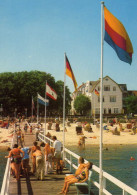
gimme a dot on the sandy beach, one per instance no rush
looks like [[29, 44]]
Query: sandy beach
[[5, 137], [71, 138]]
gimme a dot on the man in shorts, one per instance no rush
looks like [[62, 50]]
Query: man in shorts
[[57, 145]]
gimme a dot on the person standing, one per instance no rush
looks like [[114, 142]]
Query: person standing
[[48, 158], [33, 149], [16, 154], [57, 145], [39, 164], [25, 160]]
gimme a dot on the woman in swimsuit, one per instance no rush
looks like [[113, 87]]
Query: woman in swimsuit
[[82, 177], [79, 170], [16, 154]]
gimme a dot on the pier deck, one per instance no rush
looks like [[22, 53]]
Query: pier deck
[[51, 184]]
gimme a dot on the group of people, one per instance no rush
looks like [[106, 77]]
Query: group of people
[[44, 158]]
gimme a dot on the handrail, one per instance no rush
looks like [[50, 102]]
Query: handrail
[[125, 188], [6, 178]]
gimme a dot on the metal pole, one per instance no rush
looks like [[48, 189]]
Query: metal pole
[[101, 104], [32, 109], [94, 109], [37, 110], [45, 108], [64, 107]]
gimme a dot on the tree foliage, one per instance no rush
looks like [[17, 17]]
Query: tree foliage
[[17, 89], [131, 104], [82, 104]]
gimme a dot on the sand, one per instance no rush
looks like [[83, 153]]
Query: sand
[[5, 137], [71, 138]]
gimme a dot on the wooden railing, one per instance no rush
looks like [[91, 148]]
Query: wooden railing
[[6, 177], [69, 155]]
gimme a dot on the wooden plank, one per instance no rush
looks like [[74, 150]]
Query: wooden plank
[[51, 184]]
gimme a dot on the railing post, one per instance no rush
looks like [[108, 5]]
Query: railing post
[[104, 183], [70, 163], [124, 192]]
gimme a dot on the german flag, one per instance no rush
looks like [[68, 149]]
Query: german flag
[[69, 72], [96, 92]]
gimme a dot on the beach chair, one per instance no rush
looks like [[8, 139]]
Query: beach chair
[[85, 184], [79, 130]]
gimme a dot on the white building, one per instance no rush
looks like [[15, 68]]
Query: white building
[[112, 96]]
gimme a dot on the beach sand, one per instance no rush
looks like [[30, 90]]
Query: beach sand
[[71, 138], [5, 137]]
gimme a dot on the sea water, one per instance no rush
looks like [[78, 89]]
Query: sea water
[[3, 161], [116, 161]]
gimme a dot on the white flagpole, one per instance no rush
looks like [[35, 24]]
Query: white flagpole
[[32, 109], [94, 109], [45, 108], [101, 102], [64, 107], [37, 110]]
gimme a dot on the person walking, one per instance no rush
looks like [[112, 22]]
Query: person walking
[[16, 154], [39, 164], [25, 160], [48, 158], [33, 149], [57, 145]]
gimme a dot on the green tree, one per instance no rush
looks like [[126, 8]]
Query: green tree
[[131, 104], [82, 104], [17, 89]]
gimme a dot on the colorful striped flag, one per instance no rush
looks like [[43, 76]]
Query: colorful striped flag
[[42, 100], [96, 92], [51, 92], [117, 37], [69, 72]]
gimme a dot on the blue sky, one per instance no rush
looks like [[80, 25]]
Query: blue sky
[[34, 34]]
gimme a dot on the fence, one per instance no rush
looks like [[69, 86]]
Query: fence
[[69, 155], [6, 178]]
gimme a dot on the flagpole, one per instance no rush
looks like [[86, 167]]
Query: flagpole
[[64, 106], [32, 109], [101, 103], [94, 108], [37, 110], [45, 109]]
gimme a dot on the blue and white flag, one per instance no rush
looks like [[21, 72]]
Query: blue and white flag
[[42, 100]]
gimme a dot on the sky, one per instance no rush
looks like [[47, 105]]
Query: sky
[[35, 34]]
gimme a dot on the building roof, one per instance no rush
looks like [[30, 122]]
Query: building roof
[[93, 88], [134, 92]]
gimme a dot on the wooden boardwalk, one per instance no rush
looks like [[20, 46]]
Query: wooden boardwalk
[[51, 184]]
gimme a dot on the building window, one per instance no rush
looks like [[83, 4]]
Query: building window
[[112, 98], [97, 111], [109, 110], [105, 111], [116, 110], [114, 88], [107, 88]]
